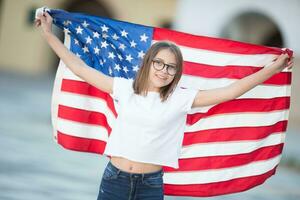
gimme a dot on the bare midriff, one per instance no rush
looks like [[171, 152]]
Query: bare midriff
[[133, 166]]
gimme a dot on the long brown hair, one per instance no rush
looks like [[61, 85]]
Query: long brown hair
[[140, 84]]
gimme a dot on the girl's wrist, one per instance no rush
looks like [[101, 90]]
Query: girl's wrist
[[47, 34]]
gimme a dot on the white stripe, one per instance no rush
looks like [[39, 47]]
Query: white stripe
[[56, 90], [218, 58], [68, 74], [87, 103], [82, 130], [230, 148], [239, 120], [213, 176], [257, 92]]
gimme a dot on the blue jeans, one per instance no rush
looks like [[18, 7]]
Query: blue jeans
[[119, 185]]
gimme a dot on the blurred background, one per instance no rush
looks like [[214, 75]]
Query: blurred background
[[33, 166]]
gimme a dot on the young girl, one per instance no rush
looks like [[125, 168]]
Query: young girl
[[152, 112]]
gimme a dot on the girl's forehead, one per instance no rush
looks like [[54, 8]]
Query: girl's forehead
[[166, 55]]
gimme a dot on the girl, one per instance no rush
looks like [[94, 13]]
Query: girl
[[152, 114]]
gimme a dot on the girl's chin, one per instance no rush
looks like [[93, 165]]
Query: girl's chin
[[160, 84]]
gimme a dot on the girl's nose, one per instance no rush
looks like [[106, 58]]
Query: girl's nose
[[165, 70]]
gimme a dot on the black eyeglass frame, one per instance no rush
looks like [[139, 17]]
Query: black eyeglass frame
[[159, 68]]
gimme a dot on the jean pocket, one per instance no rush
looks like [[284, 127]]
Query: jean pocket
[[109, 174], [154, 182]]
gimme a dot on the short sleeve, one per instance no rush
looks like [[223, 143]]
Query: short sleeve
[[185, 97], [122, 88]]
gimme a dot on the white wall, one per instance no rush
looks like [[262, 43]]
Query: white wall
[[208, 17]]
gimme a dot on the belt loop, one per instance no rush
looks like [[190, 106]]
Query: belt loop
[[143, 178], [118, 172]]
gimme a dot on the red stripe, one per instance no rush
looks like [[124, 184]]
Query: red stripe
[[83, 116], [232, 134], [218, 188], [84, 88], [226, 161], [212, 44], [232, 72], [242, 106], [80, 144]]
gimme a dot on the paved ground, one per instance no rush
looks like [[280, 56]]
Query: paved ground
[[34, 167]]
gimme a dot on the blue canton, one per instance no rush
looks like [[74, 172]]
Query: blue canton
[[113, 47]]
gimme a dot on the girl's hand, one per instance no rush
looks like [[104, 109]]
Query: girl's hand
[[45, 21], [282, 62]]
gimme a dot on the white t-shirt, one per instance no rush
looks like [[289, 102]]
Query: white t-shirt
[[146, 129]]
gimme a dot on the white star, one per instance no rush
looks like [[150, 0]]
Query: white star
[[85, 49], [144, 37], [135, 68], [141, 54], [66, 30], [104, 44], [101, 62], [110, 71], [129, 58], [79, 30], [104, 35], [66, 23], [111, 55], [115, 37], [85, 24], [76, 41], [122, 46], [125, 69], [124, 33], [78, 55], [88, 40], [132, 44], [96, 50], [117, 67], [112, 46], [104, 28], [120, 57], [95, 34]]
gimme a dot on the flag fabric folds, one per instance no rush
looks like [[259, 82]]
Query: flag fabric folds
[[229, 147]]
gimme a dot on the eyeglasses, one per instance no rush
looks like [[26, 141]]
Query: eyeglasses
[[160, 65]]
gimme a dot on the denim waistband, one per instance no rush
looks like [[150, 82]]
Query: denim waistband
[[113, 168]]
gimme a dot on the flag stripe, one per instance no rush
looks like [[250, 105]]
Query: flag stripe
[[87, 103], [83, 116], [216, 175], [209, 43], [233, 134], [217, 188], [257, 92], [80, 144], [232, 72], [230, 147], [218, 162], [245, 105], [87, 89], [81, 129], [238, 120]]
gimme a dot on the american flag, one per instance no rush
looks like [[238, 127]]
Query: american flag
[[229, 147]]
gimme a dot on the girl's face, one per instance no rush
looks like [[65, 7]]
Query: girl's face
[[159, 75]]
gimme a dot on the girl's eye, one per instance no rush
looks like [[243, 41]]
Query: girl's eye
[[159, 62]]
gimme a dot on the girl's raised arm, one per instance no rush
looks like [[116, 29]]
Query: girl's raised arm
[[74, 63], [236, 89]]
